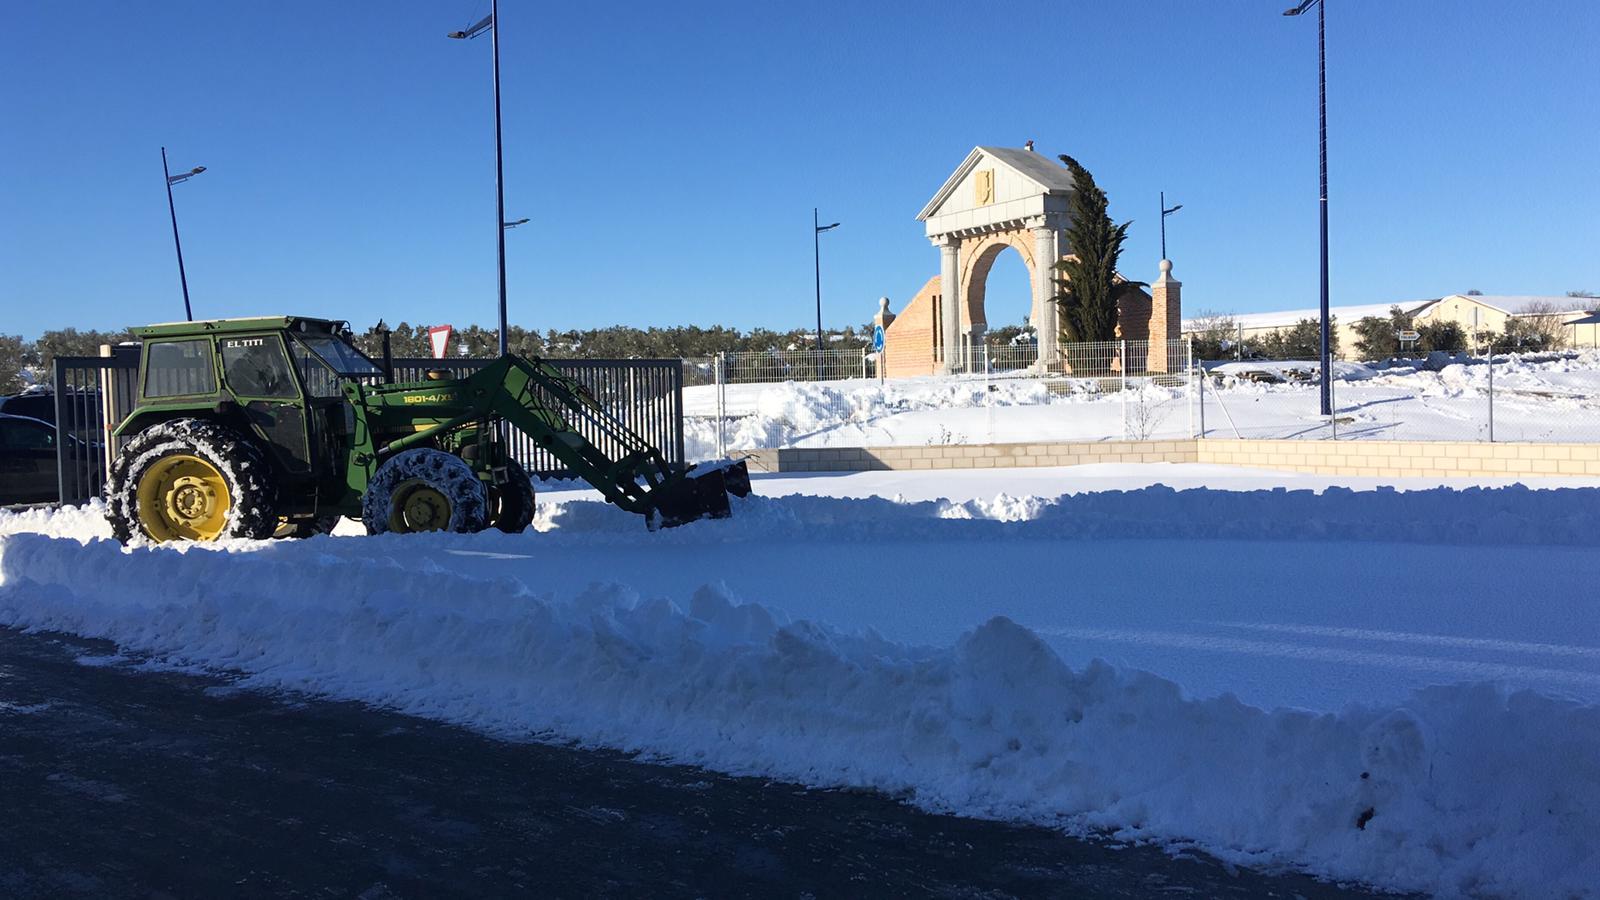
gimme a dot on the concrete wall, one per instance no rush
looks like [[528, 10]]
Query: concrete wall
[[1360, 458], [971, 456], [1406, 458]]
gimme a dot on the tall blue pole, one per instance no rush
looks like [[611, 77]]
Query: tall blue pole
[[499, 175], [816, 263], [1322, 158], [188, 313], [1163, 224]]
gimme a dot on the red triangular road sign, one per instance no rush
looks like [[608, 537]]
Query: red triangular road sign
[[439, 337]]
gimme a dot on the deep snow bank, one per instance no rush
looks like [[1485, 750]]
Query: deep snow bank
[[1514, 514], [1460, 789]]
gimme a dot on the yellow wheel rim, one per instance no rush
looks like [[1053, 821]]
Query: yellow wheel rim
[[418, 506], [183, 497]]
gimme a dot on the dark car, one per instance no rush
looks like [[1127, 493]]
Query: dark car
[[28, 460], [39, 405]]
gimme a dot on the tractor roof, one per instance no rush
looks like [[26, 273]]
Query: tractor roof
[[228, 326]]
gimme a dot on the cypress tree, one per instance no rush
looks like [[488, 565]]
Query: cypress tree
[[1087, 290]]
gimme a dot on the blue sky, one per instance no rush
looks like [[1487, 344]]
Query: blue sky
[[669, 155]]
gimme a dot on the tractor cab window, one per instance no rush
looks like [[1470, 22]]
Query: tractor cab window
[[345, 359], [179, 369], [322, 359], [320, 381], [255, 367]]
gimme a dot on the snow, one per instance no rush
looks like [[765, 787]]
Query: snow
[[1550, 397], [1247, 671]]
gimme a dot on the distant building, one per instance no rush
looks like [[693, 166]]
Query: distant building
[[1492, 314]]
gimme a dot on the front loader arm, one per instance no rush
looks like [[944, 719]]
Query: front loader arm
[[541, 402]]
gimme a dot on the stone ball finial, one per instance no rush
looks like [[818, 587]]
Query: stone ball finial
[[883, 304], [1166, 267]]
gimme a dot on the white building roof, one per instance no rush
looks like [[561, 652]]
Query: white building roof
[[1522, 304], [1344, 314], [1514, 305]]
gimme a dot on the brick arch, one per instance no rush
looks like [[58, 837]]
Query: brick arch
[[978, 255]]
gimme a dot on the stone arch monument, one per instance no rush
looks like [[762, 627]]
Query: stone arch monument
[[998, 198]]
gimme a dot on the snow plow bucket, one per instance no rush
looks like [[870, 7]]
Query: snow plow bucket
[[700, 495]]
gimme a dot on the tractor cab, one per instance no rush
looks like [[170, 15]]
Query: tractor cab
[[278, 379]]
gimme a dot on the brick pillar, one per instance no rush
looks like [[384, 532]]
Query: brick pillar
[[1166, 316]]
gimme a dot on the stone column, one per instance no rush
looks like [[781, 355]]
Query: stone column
[[1166, 316], [884, 316], [949, 303], [1045, 254]]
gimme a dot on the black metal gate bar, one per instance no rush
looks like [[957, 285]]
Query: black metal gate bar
[[93, 394]]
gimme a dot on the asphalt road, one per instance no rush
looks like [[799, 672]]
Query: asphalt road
[[123, 783]]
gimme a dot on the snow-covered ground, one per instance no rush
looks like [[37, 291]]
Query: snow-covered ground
[[1536, 398], [1401, 687]]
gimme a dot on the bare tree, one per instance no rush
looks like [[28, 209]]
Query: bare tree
[[1542, 324], [1214, 334]]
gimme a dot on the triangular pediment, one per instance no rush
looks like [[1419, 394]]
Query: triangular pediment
[[998, 175]]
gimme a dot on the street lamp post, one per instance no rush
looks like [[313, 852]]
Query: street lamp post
[[1326, 364], [816, 249], [183, 279], [491, 23], [1164, 213]]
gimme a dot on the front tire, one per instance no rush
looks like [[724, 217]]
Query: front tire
[[423, 489], [192, 480], [513, 501]]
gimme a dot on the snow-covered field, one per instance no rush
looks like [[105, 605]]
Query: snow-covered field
[[1536, 398], [1397, 687]]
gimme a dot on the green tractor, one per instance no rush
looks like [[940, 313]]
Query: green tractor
[[262, 427]]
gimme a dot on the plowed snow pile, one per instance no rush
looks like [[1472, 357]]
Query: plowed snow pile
[[1463, 788]]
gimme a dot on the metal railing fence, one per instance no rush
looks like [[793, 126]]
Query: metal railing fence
[[94, 394]]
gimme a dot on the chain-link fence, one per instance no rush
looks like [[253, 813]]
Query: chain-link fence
[[1536, 397], [1131, 390], [1112, 390]]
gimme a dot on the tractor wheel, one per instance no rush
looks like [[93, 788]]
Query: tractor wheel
[[513, 501], [422, 489], [304, 528], [191, 480]]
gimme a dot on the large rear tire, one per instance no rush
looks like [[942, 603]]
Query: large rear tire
[[513, 501], [193, 480], [423, 489]]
